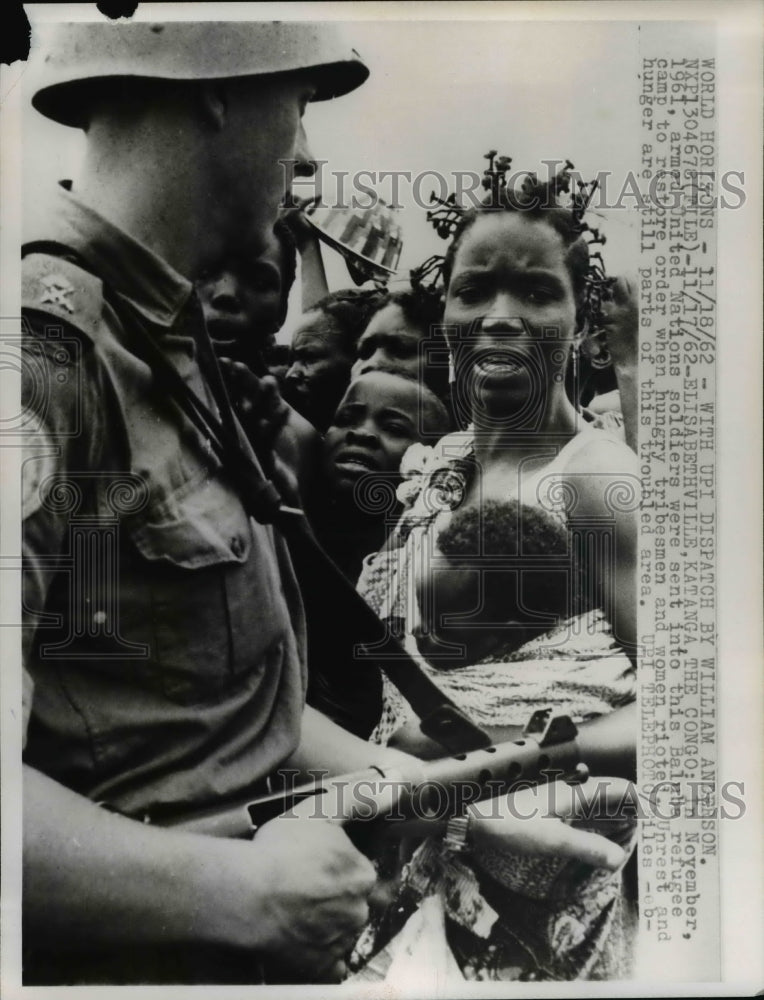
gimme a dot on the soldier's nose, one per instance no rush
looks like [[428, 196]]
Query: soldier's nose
[[305, 165]]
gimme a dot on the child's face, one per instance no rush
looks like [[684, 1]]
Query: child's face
[[389, 343], [242, 303], [319, 372], [376, 421]]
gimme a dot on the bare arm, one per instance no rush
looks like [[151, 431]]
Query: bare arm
[[90, 875], [606, 485], [327, 746], [621, 320], [296, 895], [312, 272], [607, 744], [524, 822]]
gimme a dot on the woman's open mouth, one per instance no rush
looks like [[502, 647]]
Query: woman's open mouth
[[355, 461], [499, 365]]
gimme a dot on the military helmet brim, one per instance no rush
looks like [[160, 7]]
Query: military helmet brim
[[79, 57]]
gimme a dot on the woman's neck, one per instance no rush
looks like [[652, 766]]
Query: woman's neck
[[508, 445]]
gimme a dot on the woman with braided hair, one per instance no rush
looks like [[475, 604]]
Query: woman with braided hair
[[522, 291]]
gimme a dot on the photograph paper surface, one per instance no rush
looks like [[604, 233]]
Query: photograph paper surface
[[500, 359]]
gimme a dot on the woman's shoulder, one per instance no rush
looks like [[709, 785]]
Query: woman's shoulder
[[599, 451], [602, 473]]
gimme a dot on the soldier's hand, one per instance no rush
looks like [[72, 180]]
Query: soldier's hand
[[315, 890]]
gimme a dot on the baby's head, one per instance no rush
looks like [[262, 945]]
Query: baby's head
[[501, 574]]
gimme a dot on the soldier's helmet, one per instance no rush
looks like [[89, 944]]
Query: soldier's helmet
[[75, 58]]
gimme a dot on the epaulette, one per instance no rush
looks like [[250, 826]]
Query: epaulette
[[60, 288]]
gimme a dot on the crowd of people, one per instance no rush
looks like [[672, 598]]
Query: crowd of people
[[477, 487]]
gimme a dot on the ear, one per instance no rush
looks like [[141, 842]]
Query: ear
[[593, 346], [213, 103]]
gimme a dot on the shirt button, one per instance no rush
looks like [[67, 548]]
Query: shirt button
[[237, 545]]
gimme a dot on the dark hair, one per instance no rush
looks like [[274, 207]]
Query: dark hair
[[540, 201], [510, 529], [419, 308], [443, 414], [350, 309]]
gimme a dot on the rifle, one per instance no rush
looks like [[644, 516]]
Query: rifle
[[432, 790]]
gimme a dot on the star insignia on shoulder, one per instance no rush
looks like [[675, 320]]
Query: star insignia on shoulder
[[58, 290]]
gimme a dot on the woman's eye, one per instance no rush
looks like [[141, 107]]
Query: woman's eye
[[540, 295], [469, 293], [397, 430]]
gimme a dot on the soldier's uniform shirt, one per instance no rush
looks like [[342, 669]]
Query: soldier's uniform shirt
[[177, 681]]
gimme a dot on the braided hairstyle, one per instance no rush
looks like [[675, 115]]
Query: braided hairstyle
[[540, 201]]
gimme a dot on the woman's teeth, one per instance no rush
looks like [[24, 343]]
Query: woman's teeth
[[498, 364], [355, 462]]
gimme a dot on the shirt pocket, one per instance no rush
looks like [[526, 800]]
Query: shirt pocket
[[189, 591]]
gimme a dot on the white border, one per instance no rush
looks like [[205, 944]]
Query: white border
[[738, 456]]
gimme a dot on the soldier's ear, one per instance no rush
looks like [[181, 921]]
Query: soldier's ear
[[213, 102]]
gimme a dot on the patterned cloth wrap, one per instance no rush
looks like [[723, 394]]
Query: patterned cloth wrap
[[507, 916]]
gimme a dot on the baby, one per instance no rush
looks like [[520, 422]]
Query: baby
[[501, 616], [500, 574]]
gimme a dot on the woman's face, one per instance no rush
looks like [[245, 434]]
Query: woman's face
[[379, 417], [319, 372], [511, 299]]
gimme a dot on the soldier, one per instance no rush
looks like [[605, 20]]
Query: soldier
[[174, 677], [164, 648]]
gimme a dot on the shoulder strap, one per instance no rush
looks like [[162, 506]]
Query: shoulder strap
[[335, 600]]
